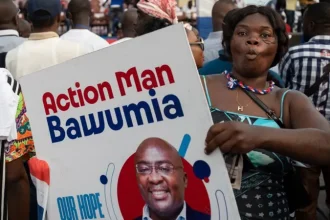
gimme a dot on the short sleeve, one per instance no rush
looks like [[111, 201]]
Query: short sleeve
[[23, 146], [286, 71]]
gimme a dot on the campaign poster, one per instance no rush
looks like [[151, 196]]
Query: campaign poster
[[123, 132]]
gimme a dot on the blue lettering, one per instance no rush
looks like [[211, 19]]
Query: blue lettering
[[176, 106], [82, 207], [132, 114], [89, 211], [93, 129], [55, 127], [155, 104], [99, 205], [61, 208], [136, 108], [67, 208], [111, 124], [73, 132]]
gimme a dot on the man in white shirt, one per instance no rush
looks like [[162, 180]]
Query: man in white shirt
[[44, 48], [79, 11], [9, 37], [213, 44]]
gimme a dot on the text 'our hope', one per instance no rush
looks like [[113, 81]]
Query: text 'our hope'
[[87, 206]]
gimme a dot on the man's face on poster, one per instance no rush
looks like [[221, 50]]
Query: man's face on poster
[[160, 177]]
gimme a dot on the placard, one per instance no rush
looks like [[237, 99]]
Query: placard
[[123, 132]]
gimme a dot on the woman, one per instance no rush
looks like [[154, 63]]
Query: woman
[[154, 15], [255, 40], [196, 45]]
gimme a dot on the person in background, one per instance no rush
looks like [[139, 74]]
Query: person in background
[[154, 15], [189, 11], [213, 42], [9, 36], [22, 9], [302, 67], [44, 48], [64, 17], [196, 44], [223, 64], [255, 39], [128, 23], [80, 11], [24, 28], [17, 152], [291, 6], [115, 13]]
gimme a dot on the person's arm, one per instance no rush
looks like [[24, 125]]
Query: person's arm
[[309, 138], [18, 190], [286, 70], [17, 183]]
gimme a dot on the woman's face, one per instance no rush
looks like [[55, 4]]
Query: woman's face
[[253, 46], [196, 47]]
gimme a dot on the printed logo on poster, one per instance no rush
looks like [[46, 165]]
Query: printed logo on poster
[[124, 133]]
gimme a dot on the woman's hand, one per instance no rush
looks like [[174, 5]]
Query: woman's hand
[[233, 137]]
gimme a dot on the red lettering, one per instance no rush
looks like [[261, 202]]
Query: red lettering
[[127, 77], [149, 81], [107, 86], [168, 71], [72, 95], [80, 96], [87, 91], [49, 106], [59, 99]]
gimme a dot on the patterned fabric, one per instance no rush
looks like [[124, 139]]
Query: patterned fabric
[[262, 194], [23, 146], [163, 9], [303, 65], [233, 83]]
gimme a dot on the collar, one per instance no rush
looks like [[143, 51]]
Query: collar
[[215, 35], [182, 215], [9, 32], [43, 35], [320, 39], [81, 26]]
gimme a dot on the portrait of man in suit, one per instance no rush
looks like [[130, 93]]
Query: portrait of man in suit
[[162, 182]]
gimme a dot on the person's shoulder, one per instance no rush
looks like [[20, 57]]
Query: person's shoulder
[[69, 48], [298, 49], [97, 40], [215, 66], [196, 215]]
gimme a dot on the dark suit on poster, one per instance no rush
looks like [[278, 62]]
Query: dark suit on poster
[[191, 214]]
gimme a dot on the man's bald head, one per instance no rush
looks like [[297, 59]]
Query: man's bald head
[[156, 145], [8, 15], [24, 28], [79, 10], [128, 22], [219, 11], [160, 177]]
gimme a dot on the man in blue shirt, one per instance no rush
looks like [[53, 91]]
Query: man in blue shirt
[[115, 14]]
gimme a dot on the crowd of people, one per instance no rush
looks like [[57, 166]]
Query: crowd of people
[[272, 99]]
